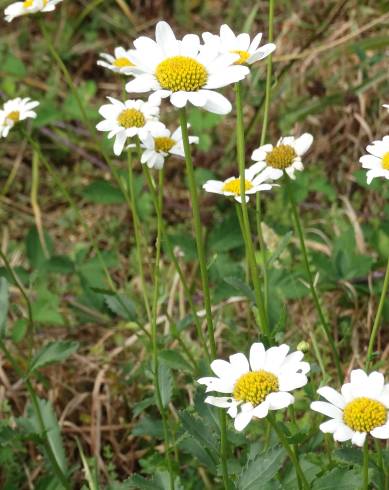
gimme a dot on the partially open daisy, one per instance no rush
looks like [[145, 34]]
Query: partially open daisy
[[29, 7], [254, 181], [127, 119], [249, 51], [14, 111], [118, 63], [360, 408], [183, 70], [257, 385], [377, 162], [284, 157], [160, 143]]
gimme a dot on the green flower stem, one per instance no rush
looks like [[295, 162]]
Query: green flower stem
[[292, 455], [269, 73], [176, 264], [204, 279], [377, 320], [263, 327], [137, 232], [365, 471], [311, 282], [198, 230], [154, 333], [34, 202], [37, 409]]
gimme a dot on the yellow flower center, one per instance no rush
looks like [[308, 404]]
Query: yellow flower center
[[122, 62], [181, 73], [14, 116], [29, 3], [281, 156], [364, 414], [244, 56], [131, 118], [385, 161], [234, 186], [164, 143], [255, 386]]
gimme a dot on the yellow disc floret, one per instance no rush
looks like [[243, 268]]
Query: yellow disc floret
[[131, 118], [28, 3], [163, 143], [181, 73], [364, 414], [244, 56], [281, 156], [255, 386], [233, 186], [122, 62], [385, 161], [14, 116]]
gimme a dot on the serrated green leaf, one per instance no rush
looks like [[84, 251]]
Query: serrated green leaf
[[4, 304], [339, 478], [174, 360], [241, 287], [56, 351], [121, 306], [261, 470]]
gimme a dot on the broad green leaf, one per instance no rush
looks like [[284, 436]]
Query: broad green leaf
[[241, 287], [196, 449], [56, 351], [174, 360], [148, 427], [261, 470], [19, 329], [34, 250], [121, 306], [45, 308], [165, 383], [103, 192], [339, 479], [196, 428], [4, 304]]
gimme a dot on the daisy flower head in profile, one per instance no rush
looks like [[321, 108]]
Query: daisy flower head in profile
[[254, 181], [159, 143], [284, 157], [29, 7], [184, 70], [119, 62], [124, 120], [377, 161], [248, 50], [258, 384], [360, 408], [14, 111]]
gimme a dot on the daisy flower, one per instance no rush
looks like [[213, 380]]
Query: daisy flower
[[29, 7], [127, 119], [360, 408], [183, 70], [377, 162], [249, 51], [16, 110], [284, 157], [257, 385], [119, 62], [160, 143], [253, 182]]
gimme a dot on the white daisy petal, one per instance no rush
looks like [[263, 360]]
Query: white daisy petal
[[327, 409], [381, 432], [242, 420], [343, 433], [329, 426], [221, 402], [358, 438], [257, 356], [239, 363], [280, 399], [332, 396]]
